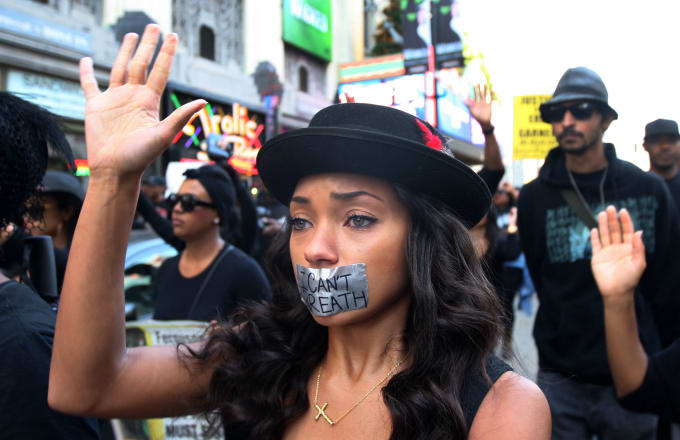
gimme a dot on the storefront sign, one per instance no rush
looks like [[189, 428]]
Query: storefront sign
[[532, 138], [221, 131], [60, 96], [307, 25], [28, 26], [154, 333]]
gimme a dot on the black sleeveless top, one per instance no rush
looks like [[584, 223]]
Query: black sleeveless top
[[476, 387], [473, 392]]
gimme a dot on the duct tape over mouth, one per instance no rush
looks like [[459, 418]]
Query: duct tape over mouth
[[329, 291]]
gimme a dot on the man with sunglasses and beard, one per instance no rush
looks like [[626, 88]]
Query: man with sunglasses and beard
[[210, 277], [580, 177]]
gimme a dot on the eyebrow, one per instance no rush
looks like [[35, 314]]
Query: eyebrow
[[300, 199], [352, 195], [337, 196]]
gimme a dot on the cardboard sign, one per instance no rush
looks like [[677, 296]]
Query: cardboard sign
[[154, 333], [532, 138]]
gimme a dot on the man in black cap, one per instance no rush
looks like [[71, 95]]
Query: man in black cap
[[556, 212], [662, 142]]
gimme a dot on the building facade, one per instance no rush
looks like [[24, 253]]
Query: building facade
[[222, 43], [40, 45]]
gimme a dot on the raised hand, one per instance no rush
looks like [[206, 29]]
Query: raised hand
[[122, 127], [618, 254], [480, 106]]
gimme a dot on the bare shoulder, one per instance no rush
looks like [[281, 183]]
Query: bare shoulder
[[514, 408]]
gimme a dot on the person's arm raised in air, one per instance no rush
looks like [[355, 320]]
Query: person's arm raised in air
[[618, 263], [92, 373], [480, 110]]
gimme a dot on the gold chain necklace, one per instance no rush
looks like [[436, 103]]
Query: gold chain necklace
[[321, 410]]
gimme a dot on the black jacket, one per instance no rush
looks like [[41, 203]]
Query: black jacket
[[26, 335], [569, 327], [660, 391]]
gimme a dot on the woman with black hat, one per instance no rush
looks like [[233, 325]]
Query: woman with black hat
[[210, 277], [382, 322], [61, 196]]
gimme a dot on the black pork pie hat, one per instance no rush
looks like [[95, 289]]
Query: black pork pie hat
[[661, 127], [580, 84], [376, 141]]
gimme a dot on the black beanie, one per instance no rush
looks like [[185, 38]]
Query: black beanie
[[219, 187]]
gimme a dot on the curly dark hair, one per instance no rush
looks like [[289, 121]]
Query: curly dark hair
[[27, 132], [264, 367]]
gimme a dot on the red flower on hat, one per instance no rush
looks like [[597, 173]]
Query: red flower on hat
[[429, 138]]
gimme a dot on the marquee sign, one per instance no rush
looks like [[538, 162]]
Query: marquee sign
[[221, 131]]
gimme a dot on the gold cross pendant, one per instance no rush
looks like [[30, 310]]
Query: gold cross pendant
[[322, 413]]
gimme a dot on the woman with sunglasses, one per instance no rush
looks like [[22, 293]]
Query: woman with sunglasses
[[241, 230], [382, 324], [210, 277]]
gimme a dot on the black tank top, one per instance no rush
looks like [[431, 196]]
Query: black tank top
[[476, 387], [472, 394]]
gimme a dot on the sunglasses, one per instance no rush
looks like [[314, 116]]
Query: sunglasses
[[580, 111], [188, 202]]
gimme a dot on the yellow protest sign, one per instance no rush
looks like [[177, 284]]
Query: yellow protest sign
[[532, 138]]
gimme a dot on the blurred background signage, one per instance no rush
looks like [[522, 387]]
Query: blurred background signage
[[371, 83], [29, 26], [60, 96], [307, 25], [220, 131], [431, 25], [532, 138]]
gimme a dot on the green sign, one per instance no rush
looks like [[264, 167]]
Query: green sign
[[307, 25]]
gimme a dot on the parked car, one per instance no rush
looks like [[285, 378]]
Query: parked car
[[145, 254]]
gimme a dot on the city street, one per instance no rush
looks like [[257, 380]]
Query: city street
[[526, 363]]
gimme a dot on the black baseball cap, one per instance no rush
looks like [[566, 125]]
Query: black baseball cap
[[661, 127]]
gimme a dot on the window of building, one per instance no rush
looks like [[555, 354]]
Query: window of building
[[303, 79], [207, 43]]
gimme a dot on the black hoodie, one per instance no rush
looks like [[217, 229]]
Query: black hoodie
[[569, 327]]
